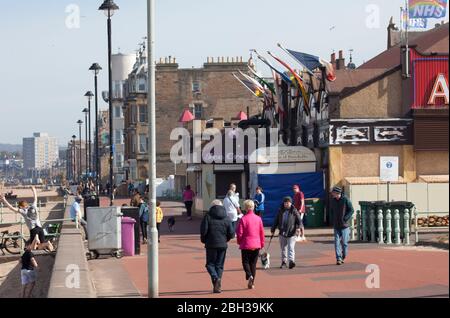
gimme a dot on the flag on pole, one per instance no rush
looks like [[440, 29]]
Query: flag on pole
[[254, 89], [283, 76], [262, 81], [419, 23], [424, 9], [311, 62]]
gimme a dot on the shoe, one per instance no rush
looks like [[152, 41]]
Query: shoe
[[250, 283], [283, 265], [217, 284], [291, 265], [339, 262]]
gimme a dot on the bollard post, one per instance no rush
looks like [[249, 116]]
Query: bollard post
[[364, 225], [380, 227], [388, 227], [352, 230], [1, 212], [416, 224], [407, 229], [358, 224], [372, 226], [397, 240]]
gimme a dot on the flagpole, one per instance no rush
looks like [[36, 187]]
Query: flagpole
[[234, 74], [289, 53], [407, 38]]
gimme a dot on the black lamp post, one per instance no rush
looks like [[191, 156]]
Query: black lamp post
[[95, 68], [109, 7], [86, 111], [89, 96], [80, 122], [74, 156]]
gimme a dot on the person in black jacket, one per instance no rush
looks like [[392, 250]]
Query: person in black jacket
[[341, 210], [216, 231], [288, 223]]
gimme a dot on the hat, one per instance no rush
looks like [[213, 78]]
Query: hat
[[337, 190], [287, 199]]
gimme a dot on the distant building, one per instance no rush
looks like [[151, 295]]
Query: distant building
[[40, 152]]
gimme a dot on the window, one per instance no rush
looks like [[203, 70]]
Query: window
[[142, 84], [133, 114], [143, 143], [117, 111], [196, 86], [133, 143], [119, 161], [118, 136], [198, 111], [143, 113]]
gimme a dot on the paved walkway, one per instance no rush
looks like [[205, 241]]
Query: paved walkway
[[404, 271]]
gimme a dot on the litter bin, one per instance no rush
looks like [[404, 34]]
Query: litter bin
[[90, 202], [128, 236], [133, 212], [314, 213]]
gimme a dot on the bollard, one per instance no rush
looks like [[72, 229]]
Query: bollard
[[364, 226], [1, 212], [416, 224], [372, 226], [352, 230], [397, 240], [358, 224], [380, 227], [388, 227], [407, 229]]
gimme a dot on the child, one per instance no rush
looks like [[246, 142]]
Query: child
[[28, 272], [159, 218]]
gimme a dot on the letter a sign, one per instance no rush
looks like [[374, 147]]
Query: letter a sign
[[440, 90]]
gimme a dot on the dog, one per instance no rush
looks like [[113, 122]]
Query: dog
[[265, 260], [171, 223]]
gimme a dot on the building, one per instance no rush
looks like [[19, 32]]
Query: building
[[76, 160], [122, 65], [394, 107], [40, 152], [207, 92]]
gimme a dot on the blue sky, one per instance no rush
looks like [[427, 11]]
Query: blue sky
[[44, 65]]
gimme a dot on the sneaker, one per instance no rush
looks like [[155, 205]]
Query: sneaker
[[291, 265], [283, 265], [339, 262], [250, 283]]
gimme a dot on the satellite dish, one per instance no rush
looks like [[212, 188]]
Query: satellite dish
[[105, 95]]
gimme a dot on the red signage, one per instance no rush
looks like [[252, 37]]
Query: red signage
[[430, 77]]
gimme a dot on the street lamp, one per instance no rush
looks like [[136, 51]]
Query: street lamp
[[80, 122], [89, 96], [109, 7], [86, 112], [74, 156], [95, 68]]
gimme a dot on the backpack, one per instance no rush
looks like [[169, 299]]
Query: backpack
[[144, 215]]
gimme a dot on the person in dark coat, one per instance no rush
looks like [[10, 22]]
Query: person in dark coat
[[341, 210], [288, 223], [215, 232]]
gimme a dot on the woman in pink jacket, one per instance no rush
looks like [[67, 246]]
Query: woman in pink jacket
[[250, 237]]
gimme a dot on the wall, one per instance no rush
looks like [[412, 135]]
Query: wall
[[432, 163], [382, 99]]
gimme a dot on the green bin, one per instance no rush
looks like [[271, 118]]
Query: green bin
[[314, 213]]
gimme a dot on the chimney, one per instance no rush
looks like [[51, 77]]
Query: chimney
[[333, 60], [340, 63]]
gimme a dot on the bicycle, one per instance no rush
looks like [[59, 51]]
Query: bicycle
[[11, 242]]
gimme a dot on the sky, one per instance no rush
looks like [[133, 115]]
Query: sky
[[45, 54]]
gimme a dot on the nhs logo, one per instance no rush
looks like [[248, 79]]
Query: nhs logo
[[424, 9]]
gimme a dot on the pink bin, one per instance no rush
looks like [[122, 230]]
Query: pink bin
[[128, 236]]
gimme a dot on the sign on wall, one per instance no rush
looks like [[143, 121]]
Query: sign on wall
[[389, 169]]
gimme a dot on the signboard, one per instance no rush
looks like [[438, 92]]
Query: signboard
[[389, 169]]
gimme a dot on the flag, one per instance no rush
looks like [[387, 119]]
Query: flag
[[283, 76], [311, 62], [423, 9], [262, 81], [250, 86], [299, 81], [420, 23]]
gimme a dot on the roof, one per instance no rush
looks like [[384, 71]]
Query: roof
[[433, 41], [348, 79]]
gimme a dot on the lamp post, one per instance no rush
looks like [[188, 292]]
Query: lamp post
[[95, 68], [86, 112], [153, 261], [74, 156], [89, 96], [109, 7], [80, 122]]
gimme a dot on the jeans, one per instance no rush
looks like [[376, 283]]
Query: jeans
[[287, 245], [188, 205], [249, 262], [215, 260], [341, 238], [144, 229]]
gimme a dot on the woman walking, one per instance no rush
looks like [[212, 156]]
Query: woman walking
[[188, 198], [250, 237]]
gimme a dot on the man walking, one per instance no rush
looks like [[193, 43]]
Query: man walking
[[215, 232], [341, 210]]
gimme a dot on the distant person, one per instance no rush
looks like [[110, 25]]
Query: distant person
[[28, 275], [159, 218], [114, 191], [259, 200], [232, 207], [299, 204], [32, 220], [130, 189], [76, 214], [215, 232], [144, 218], [188, 198], [288, 222], [136, 199], [250, 237], [341, 210]]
